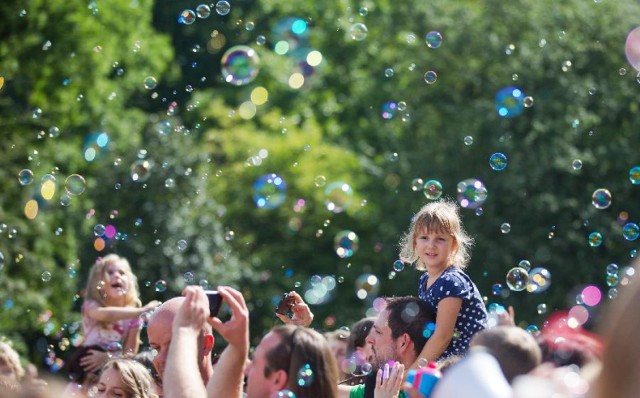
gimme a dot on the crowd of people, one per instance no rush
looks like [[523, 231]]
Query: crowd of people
[[435, 344]]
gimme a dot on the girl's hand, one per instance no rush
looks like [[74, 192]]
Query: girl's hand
[[389, 387], [302, 315], [152, 305], [93, 361]]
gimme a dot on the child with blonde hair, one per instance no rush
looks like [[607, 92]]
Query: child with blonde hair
[[110, 316], [124, 378], [438, 244]]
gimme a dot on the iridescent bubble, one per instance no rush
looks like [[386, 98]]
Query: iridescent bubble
[[203, 11], [539, 280], [187, 17], [430, 77], [496, 289], [269, 191], [289, 35], [471, 193], [612, 280], [631, 231], [65, 200], [164, 127], [169, 183], [358, 31], [74, 185], [634, 175], [367, 286], [160, 286], [25, 177], [433, 39], [240, 65], [320, 181], [114, 349], [46, 276], [612, 269], [305, 376], [533, 330], [398, 265], [150, 82], [389, 110], [595, 239], [54, 131], [517, 279], [338, 197], [345, 243], [182, 244], [468, 140], [509, 102], [141, 170], [632, 48], [542, 308], [388, 72], [498, 161], [188, 277], [223, 7], [527, 101], [432, 189], [505, 228], [95, 145], [417, 184], [601, 198], [525, 264], [99, 230], [576, 164]]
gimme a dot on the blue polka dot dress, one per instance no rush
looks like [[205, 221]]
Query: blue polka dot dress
[[473, 314]]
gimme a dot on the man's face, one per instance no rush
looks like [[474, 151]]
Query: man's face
[[382, 345], [159, 333], [259, 386]]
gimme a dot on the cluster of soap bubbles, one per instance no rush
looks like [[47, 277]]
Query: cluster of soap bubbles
[[320, 289]]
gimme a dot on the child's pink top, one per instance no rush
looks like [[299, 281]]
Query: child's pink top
[[96, 333]]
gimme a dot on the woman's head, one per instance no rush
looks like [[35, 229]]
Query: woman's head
[[111, 282], [441, 216], [124, 378]]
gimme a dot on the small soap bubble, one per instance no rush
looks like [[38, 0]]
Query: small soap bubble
[[25, 177], [187, 17], [160, 286], [320, 181], [398, 265], [338, 197], [471, 193], [601, 198], [283, 394], [433, 39], [169, 183], [229, 235], [432, 189], [388, 72], [539, 280], [402, 106], [203, 11], [305, 376], [430, 77], [65, 200], [566, 66], [576, 164], [517, 279], [46, 276], [533, 330], [150, 82], [358, 31], [496, 289], [240, 65], [509, 102], [141, 170], [505, 228], [54, 132], [188, 277], [468, 140], [498, 161], [346, 243], [36, 113], [223, 7], [363, 11], [417, 184], [74, 185], [634, 175], [542, 308], [527, 101], [525, 264], [389, 110], [269, 191], [182, 244], [99, 230], [595, 239], [261, 40], [612, 269], [631, 231]]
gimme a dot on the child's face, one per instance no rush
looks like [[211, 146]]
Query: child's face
[[116, 280], [110, 385], [435, 249]]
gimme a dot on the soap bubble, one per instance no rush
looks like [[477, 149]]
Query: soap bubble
[[289, 35], [269, 191], [140, 170], [612, 269], [525, 264], [182, 244], [398, 265], [187, 17], [203, 11], [345, 243], [358, 31], [433, 39], [188, 277], [498, 161], [471, 193], [517, 279], [240, 65], [432, 189], [527, 101], [305, 376], [339, 196], [160, 286], [74, 185], [223, 7], [631, 231], [468, 140], [25, 177], [430, 77], [389, 110], [542, 308], [632, 48], [505, 228], [595, 239], [496, 289], [417, 184], [601, 198], [99, 230], [576, 164], [150, 82], [46, 276], [539, 280], [367, 286], [283, 394], [509, 102], [634, 175]]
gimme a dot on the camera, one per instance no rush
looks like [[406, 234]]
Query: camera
[[215, 301], [285, 304]]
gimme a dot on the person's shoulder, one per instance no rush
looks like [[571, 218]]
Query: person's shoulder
[[455, 274]]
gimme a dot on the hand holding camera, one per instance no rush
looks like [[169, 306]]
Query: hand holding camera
[[292, 309]]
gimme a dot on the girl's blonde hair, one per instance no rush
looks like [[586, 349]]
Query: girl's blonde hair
[[441, 216], [135, 377], [10, 358], [95, 285]]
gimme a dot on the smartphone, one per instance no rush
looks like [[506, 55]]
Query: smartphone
[[215, 301], [285, 304]]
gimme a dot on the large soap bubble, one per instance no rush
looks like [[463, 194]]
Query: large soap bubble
[[471, 193], [240, 65], [269, 191]]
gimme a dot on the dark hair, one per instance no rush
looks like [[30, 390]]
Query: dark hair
[[409, 315], [359, 332], [300, 347]]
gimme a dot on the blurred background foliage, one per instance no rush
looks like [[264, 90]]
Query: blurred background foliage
[[75, 70]]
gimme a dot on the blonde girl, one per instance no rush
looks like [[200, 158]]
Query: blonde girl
[[110, 315], [438, 244]]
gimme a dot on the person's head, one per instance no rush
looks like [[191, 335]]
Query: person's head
[[111, 282], [399, 330], [10, 362], [159, 331], [338, 343], [145, 358], [440, 219], [516, 350], [284, 355], [124, 378], [358, 338]]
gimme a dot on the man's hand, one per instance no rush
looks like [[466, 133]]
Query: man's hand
[[236, 330], [193, 312], [302, 315]]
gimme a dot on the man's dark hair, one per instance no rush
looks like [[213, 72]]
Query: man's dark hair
[[410, 315]]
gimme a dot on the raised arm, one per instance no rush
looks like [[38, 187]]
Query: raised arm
[[114, 314], [228, 376], [182, 377]]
